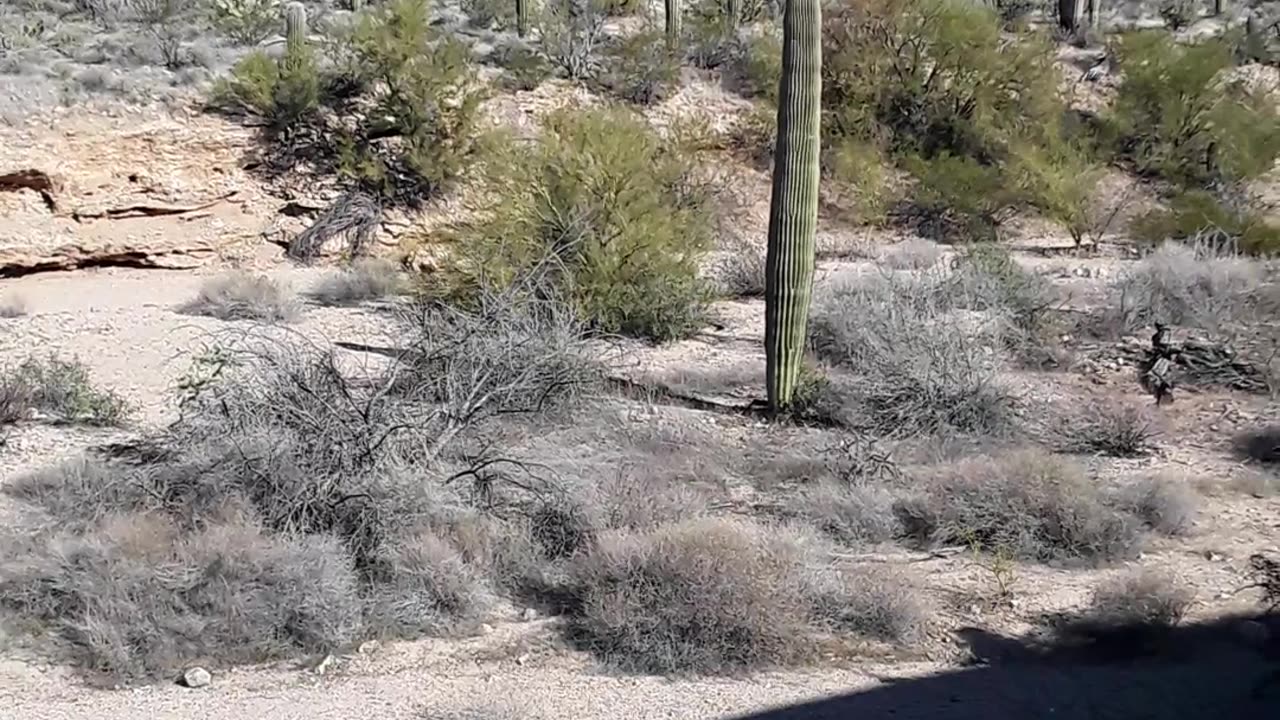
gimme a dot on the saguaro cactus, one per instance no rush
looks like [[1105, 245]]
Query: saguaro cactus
[[793, 207], [522, 17], [672, 10], [1069, 13], [295, 28]]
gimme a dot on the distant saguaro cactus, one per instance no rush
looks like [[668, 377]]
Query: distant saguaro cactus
[[522, 17], [295, 27], [733, 12], [672, 9], [1069, 14], [793, 207]]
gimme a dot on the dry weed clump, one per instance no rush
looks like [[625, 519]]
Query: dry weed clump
[[716, 596], [1113, 429], [244, 296], [1132, 607], [915, 362], [12, 306], [59, 389], [850, 514], [911, 254], [1165, 502], [366, 279], [1029, 504], [1189, 286], [1260, 445]]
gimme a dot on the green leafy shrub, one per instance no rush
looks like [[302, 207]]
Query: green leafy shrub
[[60, 389], [1060, 179], [615, 204], [284, 92], [959, 196], [499, 14], [639, 69], [427, 95], [571, 31], [1176, 117], [760, 65], [525, 67], [1199, 215]]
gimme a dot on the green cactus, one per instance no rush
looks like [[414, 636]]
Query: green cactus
[[673, 10], [357, 5], [522, 17], [295, 28], [732, 12], [793, 209]]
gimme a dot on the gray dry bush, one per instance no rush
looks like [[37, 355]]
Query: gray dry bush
[[1027, 503], [1165, 502], [1138, 601], [366, 279], [1261, 445], [61, 390], [1112, 429], [911, 254], [718, 595], [741, 271], [244, 296], [850, 514], [914, 360], [1189, 286]]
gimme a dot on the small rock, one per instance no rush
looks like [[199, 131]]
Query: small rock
[[522, 659], [368, 647], [529, 614], [196, 677], [486, 629], [323, 666]]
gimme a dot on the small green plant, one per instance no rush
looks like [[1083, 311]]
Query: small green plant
[[207, 368], [959, 196], [610, 201], [59, 389], [571, 32], [284, 92], [640, 70], [1196, 215], [246, 22], [999, 564], [1061, 180], [526, 68]]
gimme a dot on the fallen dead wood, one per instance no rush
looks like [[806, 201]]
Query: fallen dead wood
[[32, 179], [148, 210]]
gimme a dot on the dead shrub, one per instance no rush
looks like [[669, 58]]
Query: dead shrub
[[916, 364], [911, 254], [1113, 429], [706, 595], [741, 269], [1032, 505], [1166, 503], [1132, 608], [59, 389], [243, 296], [872, 603], [423, 586], [366, 279], [1189, 286], [852, 515]]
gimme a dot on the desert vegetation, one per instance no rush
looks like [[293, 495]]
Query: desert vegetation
[[941, 395]]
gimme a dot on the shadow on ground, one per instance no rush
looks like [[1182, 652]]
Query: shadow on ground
[[1228, 669]]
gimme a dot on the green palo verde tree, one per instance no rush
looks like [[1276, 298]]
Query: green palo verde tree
[[793, 208]]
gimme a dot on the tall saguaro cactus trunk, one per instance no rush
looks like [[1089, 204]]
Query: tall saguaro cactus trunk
[[522, 17], [295, 28], [672, 10], [1069, 14], [793, 208]]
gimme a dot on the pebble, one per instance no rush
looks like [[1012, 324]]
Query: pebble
[[529, 614], [196, 677]]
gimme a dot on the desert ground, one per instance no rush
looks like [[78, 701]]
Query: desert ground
[[126, 206]]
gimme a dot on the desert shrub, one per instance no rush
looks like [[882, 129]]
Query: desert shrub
[[1059, 178], [423, 586], [497, 14], [1181, 285], [958, 196], [872, 603], [127, 597], [1137, 599], [911, 254], [916, 364], [613, 203], [284, 92], [366, 279], [244, 296], [987, 278], [639, 69], [168, 25], [1031, 505], [1199, 217], [718, 596], [572, 31], [12, 306], [1166, 503], [247, 22], [759, 65], [742, 270], [1013, 12], [427, 95], [60, 389], [1112, 429], [862, 173], [1176, 117], [526, 67], [1261, 445], [1178, 14], [850, 514]]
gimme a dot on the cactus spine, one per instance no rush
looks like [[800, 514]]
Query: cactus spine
[[295, 28], [522, 17], [793, 207], [672, 10]]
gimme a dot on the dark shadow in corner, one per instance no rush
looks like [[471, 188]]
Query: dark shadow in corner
[[1227, 669]]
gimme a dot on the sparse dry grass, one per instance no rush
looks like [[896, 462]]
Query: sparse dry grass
[[1143, 598], [244, 296], [911, 254], [850, 514], [741, 271], [715, 595], [1164, 501], [366, 279], [1030, 504], [1114, 429]]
